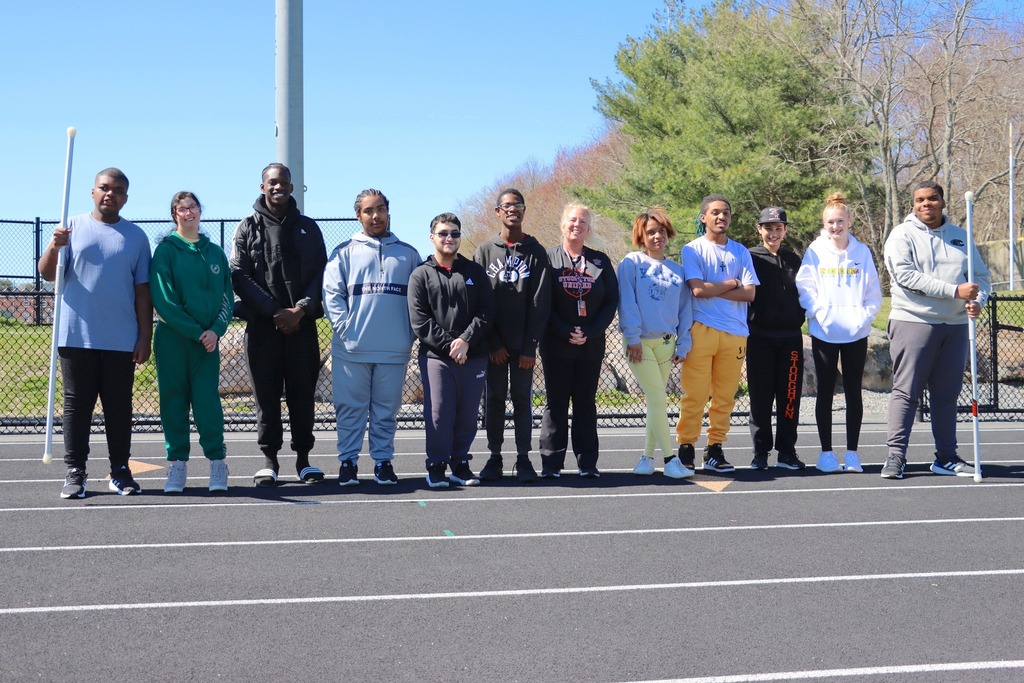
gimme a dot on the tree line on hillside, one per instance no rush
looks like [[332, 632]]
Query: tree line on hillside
[[783, 101]]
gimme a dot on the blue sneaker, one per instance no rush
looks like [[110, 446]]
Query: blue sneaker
[[122, 482]]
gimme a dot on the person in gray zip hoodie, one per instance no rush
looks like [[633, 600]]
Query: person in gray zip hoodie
[[366, 287], [932, 299]]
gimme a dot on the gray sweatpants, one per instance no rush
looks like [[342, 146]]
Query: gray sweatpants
[[932, 357]]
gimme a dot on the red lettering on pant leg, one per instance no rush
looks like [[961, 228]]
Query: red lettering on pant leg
[[793, 386]]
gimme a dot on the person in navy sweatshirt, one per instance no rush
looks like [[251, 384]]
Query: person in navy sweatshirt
[[450, 308]]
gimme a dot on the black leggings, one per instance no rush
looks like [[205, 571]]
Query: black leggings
[[826, 365]]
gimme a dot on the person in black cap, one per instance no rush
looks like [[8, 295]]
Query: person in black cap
[[775, 357]]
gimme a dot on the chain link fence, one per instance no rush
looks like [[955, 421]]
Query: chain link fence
[[26, 308], [1000, 347]]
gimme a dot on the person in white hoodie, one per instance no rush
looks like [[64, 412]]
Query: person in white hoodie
[[839, 289], [932, 299]]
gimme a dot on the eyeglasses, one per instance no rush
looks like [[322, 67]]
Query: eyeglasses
[[518, 206], [185, 210], [454, 234]]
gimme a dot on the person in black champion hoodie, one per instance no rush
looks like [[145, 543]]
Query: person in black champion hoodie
[[516, 267], [775, 356]]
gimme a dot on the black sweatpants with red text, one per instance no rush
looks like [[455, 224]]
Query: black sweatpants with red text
[[775, 376]]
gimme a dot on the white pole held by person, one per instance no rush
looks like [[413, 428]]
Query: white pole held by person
[[57, 291], [972, 328]]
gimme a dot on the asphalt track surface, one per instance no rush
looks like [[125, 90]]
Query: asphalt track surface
[[755, 576]]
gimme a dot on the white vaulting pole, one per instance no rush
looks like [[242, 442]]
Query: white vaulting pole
[[1013, 227], [972, 329], [58, 289]]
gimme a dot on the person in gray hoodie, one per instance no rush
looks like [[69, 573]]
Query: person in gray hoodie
[[926, 257], [366, 288]]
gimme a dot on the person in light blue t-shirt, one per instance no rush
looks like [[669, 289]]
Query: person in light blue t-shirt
[[720, 274], [106, 328]]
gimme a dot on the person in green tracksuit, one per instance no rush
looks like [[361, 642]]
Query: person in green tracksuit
[[191, 286]]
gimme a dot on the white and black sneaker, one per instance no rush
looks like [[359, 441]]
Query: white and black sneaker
[[74, 483], [714, 459], [954, 466]]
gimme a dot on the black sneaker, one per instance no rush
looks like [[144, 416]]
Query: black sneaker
[[548, 470], [894, 466], [74, 483], [436, 478], [789, 461], [384, 473], [492, 469], [686, 455], [122, 482], [524, 470], [760, 462], [463, 475], [347, 473], [591, 473], [714, 459]]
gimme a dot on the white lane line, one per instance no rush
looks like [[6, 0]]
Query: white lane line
[[509, 536], [963, 484], [845, 673], [199, 480], [524, 592]]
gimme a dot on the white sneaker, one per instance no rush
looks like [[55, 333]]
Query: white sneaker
[[645, 466], [828, 462], [218, 475], [851, 462], [176, 477], [675, 469]]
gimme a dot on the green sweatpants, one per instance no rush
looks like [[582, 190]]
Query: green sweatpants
[[188, 377]]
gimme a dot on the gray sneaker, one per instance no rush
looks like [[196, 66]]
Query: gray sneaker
[[894, 466], [176, 477], [218, 475]]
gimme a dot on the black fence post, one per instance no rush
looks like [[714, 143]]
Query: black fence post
[[38, 278], [993, 330]]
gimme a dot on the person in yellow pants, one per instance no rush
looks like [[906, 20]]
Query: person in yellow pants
[[720, 274], [654, 319]]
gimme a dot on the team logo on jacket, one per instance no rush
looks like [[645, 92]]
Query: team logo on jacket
[[575, 283], [215, 268], [469, 281], [510, 269], [957, 242]]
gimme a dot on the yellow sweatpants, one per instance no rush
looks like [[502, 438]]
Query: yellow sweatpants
[[712, 368]]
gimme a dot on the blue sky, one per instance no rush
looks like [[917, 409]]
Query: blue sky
[[428, 102]]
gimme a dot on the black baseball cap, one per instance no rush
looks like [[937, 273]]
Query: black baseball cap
[[772, 214]]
